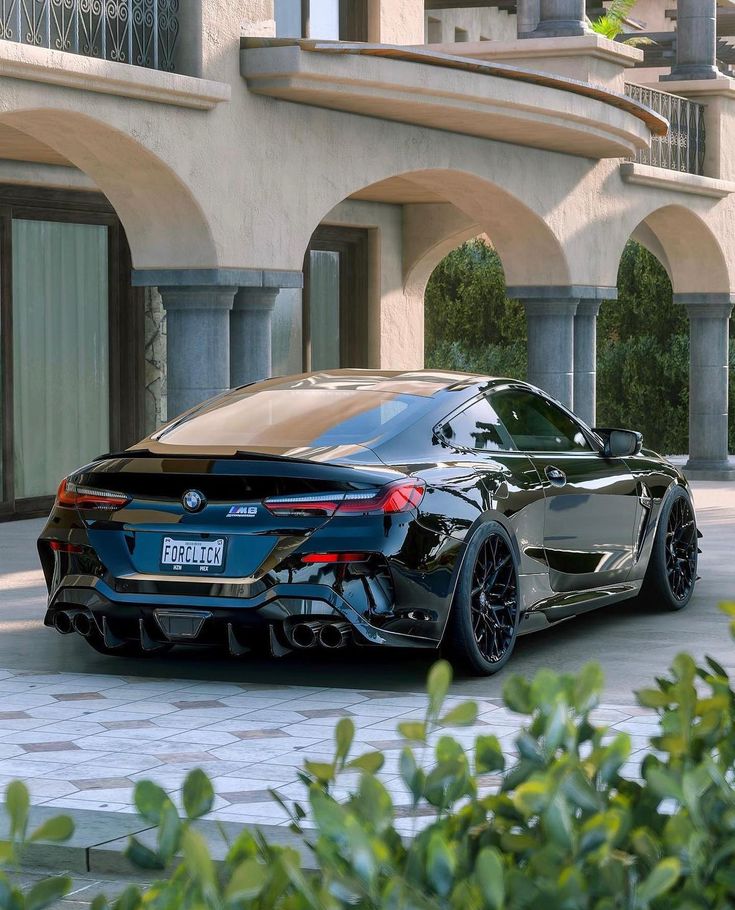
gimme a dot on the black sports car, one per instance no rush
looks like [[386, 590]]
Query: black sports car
[[406, 509]]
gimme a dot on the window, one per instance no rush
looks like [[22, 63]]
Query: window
[[461, 35], [296, 417], [434, 30], [536, 424], [344, 20], [478, 427]]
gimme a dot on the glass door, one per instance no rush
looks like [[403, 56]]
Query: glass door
[[335, 314]]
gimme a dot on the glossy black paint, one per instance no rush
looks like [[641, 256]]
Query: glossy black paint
[[582, 524]]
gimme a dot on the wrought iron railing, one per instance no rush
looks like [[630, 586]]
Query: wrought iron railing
[[140, 32], [684, 146]]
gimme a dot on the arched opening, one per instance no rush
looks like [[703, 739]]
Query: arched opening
[[408, 223], [666, 340], [75, 332], [470, 323]]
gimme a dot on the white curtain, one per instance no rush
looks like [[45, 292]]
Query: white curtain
[[60, 351]]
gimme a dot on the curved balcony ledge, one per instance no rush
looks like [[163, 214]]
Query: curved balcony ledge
[[462, 95]]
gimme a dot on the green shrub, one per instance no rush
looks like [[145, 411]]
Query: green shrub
[[564, 829]]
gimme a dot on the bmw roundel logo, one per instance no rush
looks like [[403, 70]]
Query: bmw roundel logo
[[193, 501]]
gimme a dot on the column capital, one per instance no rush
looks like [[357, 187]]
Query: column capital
[[589, 306], [256, 299], [217, 277], [198, 297], [561, 291], [562, 307], [706, 306]]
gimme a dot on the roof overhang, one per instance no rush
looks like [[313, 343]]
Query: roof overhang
[[457, 94]]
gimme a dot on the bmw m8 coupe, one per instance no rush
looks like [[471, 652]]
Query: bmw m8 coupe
[[380, 509]]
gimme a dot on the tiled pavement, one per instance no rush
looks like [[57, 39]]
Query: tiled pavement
[[81, 741]]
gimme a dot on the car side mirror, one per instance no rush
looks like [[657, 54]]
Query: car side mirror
[[620, 443]]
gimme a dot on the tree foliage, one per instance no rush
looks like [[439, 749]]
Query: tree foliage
[[643, 340]]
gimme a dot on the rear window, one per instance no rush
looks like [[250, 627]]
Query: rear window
[[295, 417]]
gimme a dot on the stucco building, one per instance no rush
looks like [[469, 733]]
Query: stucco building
[[280, 180]]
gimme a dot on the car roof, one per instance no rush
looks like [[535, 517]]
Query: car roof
[[422, 383]]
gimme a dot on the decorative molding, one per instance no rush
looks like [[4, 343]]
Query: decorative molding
[[39, 64], [678, 181]]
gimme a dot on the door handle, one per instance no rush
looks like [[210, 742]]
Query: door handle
[[556, 476]]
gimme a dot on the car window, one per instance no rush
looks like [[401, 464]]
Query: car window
[[295, 417], [536, 424], [477, 427]]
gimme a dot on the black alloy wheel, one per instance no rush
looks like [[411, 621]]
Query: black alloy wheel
[[681, 549], [672, 568], [483, 624]]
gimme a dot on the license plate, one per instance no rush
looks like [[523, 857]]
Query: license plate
[[193, 556]]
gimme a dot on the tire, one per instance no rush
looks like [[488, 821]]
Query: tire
[[483, 623], [672, 569]]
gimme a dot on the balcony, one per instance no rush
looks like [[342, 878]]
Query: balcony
[[683, 148], [138, 32]]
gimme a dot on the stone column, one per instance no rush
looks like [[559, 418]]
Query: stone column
[[528, 17], [585, 359], [198, 344], [560, 19], [550, 325], [250, 335], [696, 40], [709, 324]]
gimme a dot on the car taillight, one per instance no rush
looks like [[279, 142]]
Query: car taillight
[[401, 496], [61, 546], [324, 558], [74, 496]]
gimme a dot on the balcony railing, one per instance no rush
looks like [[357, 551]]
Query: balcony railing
[[140, 32], [684, 146]]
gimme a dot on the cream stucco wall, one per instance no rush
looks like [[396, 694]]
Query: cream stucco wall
[[489, 24], [212, 175]]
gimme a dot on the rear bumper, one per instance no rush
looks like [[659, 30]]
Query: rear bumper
[[248, 617]]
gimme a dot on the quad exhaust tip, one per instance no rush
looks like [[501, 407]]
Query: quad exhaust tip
[[63, 622], [331, 636], [82, 624], [335, 635]]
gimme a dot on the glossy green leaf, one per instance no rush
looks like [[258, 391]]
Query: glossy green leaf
[[198, 794], [141, 856], [463, 715], [489, 875], [149, 800], [17, 805], [47, 892], [413, 731], [370, 762], [437, 685], [197, 858], [169, 832], [247, 882], [517, 695], [56, 829], [661, 880], [344, 734], [440, 865], [321, 771], [488, 755]]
